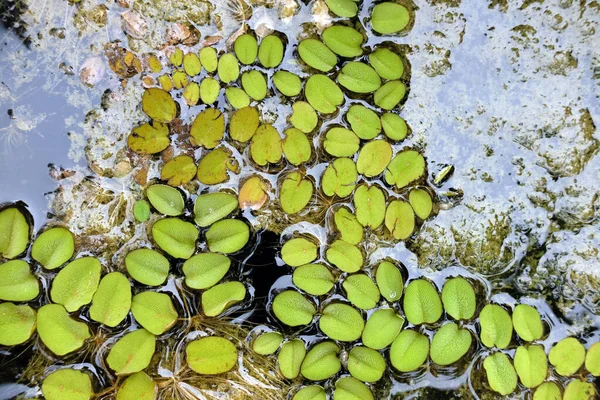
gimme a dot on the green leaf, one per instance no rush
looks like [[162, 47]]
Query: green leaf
[[209, 90], [17, 324], [303, 117], [579, 390], [313, 392], [422, 303], [365, 364], [342, 8], [180, 79], [67, 384], [112, 300], [496, 326], [255, 84], [341, 142], [211, 355], [369, 203], [531, 365], [527, 323], [295, 193], [547, 391], [53, 247], [315, 279], [176, 237], [270, 52], [149, 138], [349, 388], [293, 309], [389, 17], [321, 361], [75, 284], [132, 352], [406, 167], [228, 68], [244, 124], [237, 97], [389, 95], [154, 311], [139, 386], [246, 48], [361, 291], [389, 280], [205, 270], [208, 128], [212, 207], [592, 359], [358, 77], [222, 296], [60, 333], [421, 202], [323, 94], [350, 229], [290, 358], [409, 350], [388, 64], [17, 283], [14, 233], [191, 64], [287, 83], [567, 356], [394, 126], [315, 54], [339, 178], [267, 343], [363, 121], [400, 219], [254, 193], [345, 256], [147, 266], [501, 375], [166, 199], [179, 170], [450, 343], [266, 145], [299, 251], [208, 59], [341, 322], [382, 327], [227, 236], [159, 105], [141, 210], [296, 146], [213, 166], [373, 158], [458, 297], [343, 40]]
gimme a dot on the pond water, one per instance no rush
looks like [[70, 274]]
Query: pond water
[[507, 93]]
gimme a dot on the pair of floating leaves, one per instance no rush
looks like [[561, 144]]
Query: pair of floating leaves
[[361, 291], [394, 126], [450, 343], [295, 193], [67, 384], [75, 285], [501, 374], [389, 280], [17, 283], [17, 324], [293, 309], [458, 298], [211, 355], [359, 77], [341, 142], [255, 84], [422, 303], [266, 145], [147, 266], [205, 270], [321, 362], [227, 236], [213, 166], [315, 279], [366, 364], [323, 94], [339, 178], [496, 326], [345, 256], [287, 83], [349, 388], [343, 40], [317, 55], [389, 18], [527, 322], [14, 232], [154, 311], [389, 95], [132, 352], [112, 300], [382, 327], [212, 207], [409, 350], [176, 237], [270, 52], [400, 219], [290, 358], [166, 200], [341, 322], [567, 356], [388, 64], [531, 365]]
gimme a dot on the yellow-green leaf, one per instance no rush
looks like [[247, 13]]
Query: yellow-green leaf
[[211, 355], [75, 284], [159, 105], [132, 352]]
